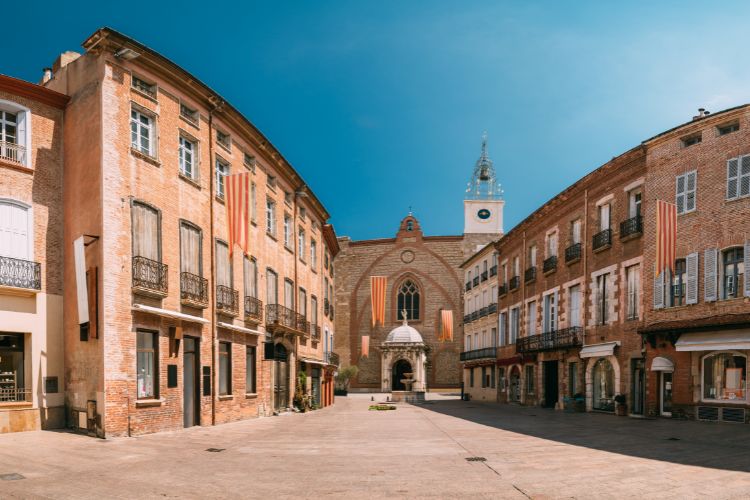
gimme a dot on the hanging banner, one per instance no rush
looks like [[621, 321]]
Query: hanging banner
[[446, 326], [377, 298], [238, 210], [365, 346]]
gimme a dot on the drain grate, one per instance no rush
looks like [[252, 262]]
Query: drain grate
[[476, 459], [215, 450], [673, 439], [11, 477]]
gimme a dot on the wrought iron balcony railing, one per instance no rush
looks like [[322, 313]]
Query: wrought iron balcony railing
[[476, 281], [326, 307], [14, 395], [227, 300], [475, 315], [149, 276], [550, 264], [482, 312], [282, 318], [253, 309], [530, 274], [502, 289], [315, 332], [492, 308], [573, 253], [485, 276], [484, 353], [493, 270], [12, 152], [468, 285], [515, 282], [333, 358], [303, 325], [193, 289], [550, 341], [467, 318], [20, 273], [632, 227], [602, 240]]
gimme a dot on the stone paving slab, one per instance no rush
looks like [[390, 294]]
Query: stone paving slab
[[346, 451]]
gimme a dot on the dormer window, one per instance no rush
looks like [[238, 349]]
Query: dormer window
[[691, 140], [728, 128], [189, 114], [15, 133]]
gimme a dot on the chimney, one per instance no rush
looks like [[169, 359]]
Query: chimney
[[702, 113], [46, 76]]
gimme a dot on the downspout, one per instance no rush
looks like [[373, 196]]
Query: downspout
[[584, 247]]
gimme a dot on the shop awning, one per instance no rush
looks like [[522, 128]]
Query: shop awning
[[312, 361], [599, 350], [660, 364], [713, 341], [237, 328], [168, 313]]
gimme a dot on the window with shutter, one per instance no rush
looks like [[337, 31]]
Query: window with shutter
[[709, 274], [746, 265], [659, 291], [745, 176], [575, 306], [685, 192], [223, 265], [680, 194], [190, 249], [15, 231], [691, 294], [272, 287], [146, 232], [732, 178]]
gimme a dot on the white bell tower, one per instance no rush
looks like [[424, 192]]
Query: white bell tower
[[483, 205]]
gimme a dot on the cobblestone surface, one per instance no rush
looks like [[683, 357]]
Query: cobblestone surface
[[415, 451]]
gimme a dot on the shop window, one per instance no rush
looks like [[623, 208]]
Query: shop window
[[603, 381], [225, 368], [725, 377], [147, 349], [12, 380]]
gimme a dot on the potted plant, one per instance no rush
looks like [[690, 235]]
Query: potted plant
[[621, 407]]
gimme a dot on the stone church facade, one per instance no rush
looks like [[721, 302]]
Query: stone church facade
[[426, 268]]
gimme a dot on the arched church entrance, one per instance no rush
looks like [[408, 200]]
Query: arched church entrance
[[400, 367], [281, 378]]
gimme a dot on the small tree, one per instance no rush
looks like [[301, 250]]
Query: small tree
[[345, 376]]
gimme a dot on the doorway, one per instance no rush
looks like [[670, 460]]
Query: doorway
[[551, 388], [281, 378], [400, 367], [665, 394], [638, 391], [190, 382], [514, 394]]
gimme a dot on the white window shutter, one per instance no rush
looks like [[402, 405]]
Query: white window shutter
[[732, 178], [709, 264], [555, 314], [680, 194], [747, 268], [22, 125], [659, 291], [690, 191], [744, 183], [691, 293]]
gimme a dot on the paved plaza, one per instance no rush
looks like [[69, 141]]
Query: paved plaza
[[346, 451]]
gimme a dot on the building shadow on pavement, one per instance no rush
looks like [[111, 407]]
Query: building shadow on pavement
[[704, 444]]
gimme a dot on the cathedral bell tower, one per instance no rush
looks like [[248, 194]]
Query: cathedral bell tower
[[483, 205]]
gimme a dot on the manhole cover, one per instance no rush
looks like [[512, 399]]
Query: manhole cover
[[11, 477], [476, 459], [215, 450]]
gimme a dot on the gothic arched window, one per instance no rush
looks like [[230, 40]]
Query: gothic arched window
[[408, 299]]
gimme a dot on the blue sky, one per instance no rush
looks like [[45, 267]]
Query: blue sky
[[381, 105]]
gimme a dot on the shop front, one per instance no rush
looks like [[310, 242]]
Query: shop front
[[602, 376]]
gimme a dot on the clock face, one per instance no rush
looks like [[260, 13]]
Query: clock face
[[483, 214]]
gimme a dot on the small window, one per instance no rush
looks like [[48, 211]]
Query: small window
[[250, 370], [222, 170], [249, 161], [287, 231], [142, 132], [301, 244], [287, 197], [691, 140], [313, 254], [271, 181], [223, 139], [148, 375], [225, 368], [189, 114], [728, 128], [685, 192], [302, 213], [143, 86], [187, 157], [270, 217]]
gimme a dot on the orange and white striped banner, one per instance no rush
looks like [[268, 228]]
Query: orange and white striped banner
[[238, 210], [666, 236], [446, 326], [377, 298], [365, 346]]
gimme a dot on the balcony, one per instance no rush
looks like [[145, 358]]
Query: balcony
[[475, 315], [493, 270], [467, 318], [515, 282], [502, 290], [492, 308], [485, 276], [227, 300], [485, 353], [602, 240], [22, 274], [476, 281], [253, 309], [326, 307], [468, 286], [331, 313], [280, 319], [303, 325], [573, 253], [14, 153], [315, 332], [483, 312], [631, 228], [332, 358], [550, 265], [529, 275], [193, 290], [551, 341], [149, 277]]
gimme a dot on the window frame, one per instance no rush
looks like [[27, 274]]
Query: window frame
[[137, 146], [154, 363], [416, 293], [684, 194], [195, 156], [738, 275], [226, 370], [270, 217], [23, 125], [220, 188], [703, 359]]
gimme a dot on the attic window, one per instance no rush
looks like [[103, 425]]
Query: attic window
[[728, 128], [223, 139], [189, 114], [271, 181], [250, 161], [143, 86], [690, 140]]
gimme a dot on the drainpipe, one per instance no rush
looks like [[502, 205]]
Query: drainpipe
[[584, 248]]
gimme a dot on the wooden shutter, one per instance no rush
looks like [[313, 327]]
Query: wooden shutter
[[691, 292], [659, 291], [710, 258], [690, 191], [680, 194], [223, 268], [747, 268], [15, 240], [744, 183], [732, 178]]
